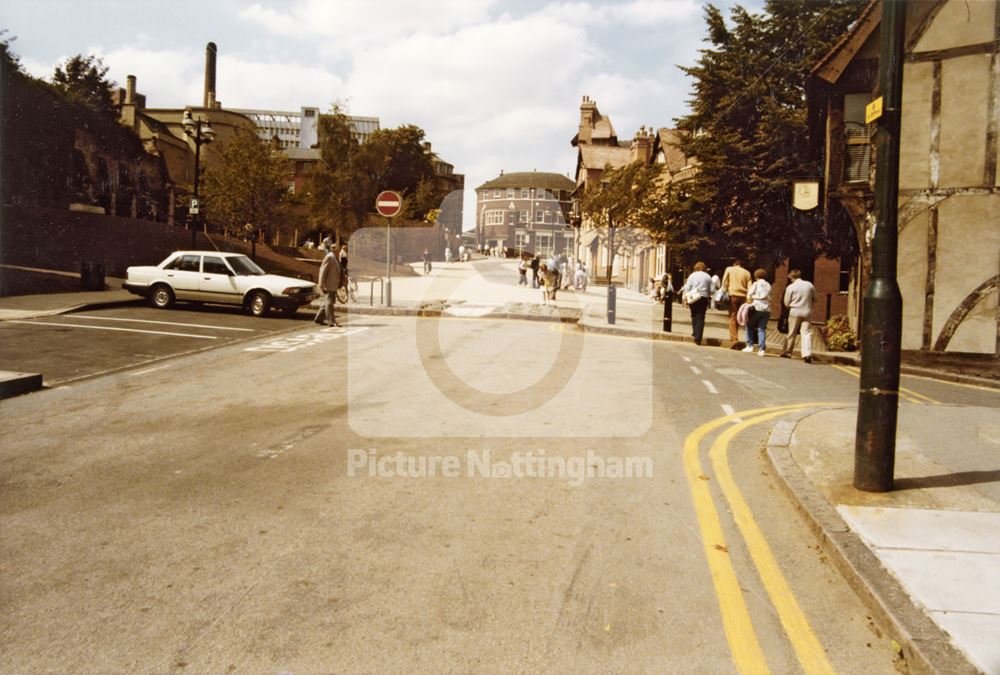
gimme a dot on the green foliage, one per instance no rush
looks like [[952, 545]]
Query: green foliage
[[39, 123], [747, 127], [839, 335], [351, 175], [82, 80], [247, 184]]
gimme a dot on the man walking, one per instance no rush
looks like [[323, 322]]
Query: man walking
[[735, 282], [799, 298], [329, 281]]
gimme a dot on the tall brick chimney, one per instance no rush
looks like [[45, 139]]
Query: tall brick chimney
[[642, 145], [588, 118], [210, 53]]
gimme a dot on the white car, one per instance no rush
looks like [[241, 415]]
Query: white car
[[220, 278]]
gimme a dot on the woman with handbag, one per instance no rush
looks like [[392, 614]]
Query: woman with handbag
[[759, 299], [696, 293]]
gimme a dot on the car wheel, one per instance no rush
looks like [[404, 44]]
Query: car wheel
[[258, 303], [161, 296]]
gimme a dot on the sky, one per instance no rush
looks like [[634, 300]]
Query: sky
[[495, 84]]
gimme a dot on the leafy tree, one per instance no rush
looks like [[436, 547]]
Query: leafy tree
[[351, 175], [82, 80], [336, 195], [247, 184], [747, 127]]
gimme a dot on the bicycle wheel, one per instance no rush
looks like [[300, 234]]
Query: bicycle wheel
[[353, 288]]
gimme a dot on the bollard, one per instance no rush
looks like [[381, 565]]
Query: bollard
[[612, 295], [668, 311]]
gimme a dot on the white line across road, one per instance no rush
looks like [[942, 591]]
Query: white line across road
[[711, 387], [696, 370], [296, 342], [162, 323], [124, 330]]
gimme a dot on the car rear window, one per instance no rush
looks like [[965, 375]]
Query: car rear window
[[189, 263]]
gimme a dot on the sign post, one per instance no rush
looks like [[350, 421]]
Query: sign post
[[388, 204]]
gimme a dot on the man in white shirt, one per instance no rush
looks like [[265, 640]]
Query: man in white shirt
[[799, 298]]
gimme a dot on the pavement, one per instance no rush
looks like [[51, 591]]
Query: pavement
[[924, 558]]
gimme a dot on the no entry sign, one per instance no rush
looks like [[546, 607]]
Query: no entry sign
[[388, 203]]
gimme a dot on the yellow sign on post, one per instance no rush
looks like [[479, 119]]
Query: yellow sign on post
[[873, 110]]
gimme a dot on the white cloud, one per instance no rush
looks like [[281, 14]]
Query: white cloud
[[638, 13], [353, 23]]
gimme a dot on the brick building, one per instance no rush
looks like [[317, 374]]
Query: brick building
[[528, 212]]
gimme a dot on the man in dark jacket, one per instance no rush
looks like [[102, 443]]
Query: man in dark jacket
[[534, 271], [330, 273]]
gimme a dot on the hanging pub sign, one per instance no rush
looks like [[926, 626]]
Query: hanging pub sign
[[805, 193]]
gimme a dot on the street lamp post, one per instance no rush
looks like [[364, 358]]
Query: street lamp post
[[878, 398], [612, 291], [201, 132]]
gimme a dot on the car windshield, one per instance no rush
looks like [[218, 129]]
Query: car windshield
[[244, 267]]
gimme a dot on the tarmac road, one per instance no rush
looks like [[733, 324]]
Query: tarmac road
[[71, 346], [201, 516]]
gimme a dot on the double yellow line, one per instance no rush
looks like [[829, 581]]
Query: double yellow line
[[906, 394], [743, 644]]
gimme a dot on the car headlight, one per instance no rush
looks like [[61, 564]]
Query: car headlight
[[295, 290]]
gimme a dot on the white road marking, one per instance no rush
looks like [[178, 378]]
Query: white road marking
[[297, 342], [149, 370], [730, 410], [124, 330], [711, 387], [696, 370], [163, 323], [686, 359]]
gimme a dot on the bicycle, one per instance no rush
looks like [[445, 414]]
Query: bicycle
[[348, 291]]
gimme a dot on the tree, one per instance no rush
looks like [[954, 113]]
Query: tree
[[336, 195], [747, 127], [350, 175], [247, 184], [82, 80]]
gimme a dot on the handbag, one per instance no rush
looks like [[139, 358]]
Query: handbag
[[691, 297], [783, 323]]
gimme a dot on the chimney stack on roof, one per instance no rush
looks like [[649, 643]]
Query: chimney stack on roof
[[210, 53], [130, 90]]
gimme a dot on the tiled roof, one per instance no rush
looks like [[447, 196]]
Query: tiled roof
[[530, 179], [597, 156], [669, 141]]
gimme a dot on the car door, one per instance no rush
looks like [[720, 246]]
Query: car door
[[217, 282], [183, 274]]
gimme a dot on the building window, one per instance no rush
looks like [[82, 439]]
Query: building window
[[510, 193], [494, 217], [547, 217], [538, 216], [483, 195], [521, 241], [844, 284], [857, 155], [525, 193], [543, 243], [524, 216], [497, 194], [540, 194], [512, 217]]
